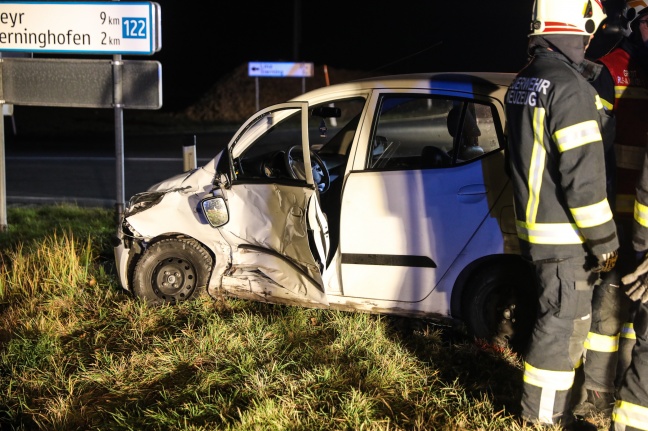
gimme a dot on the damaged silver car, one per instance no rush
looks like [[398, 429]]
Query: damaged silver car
[[386, 195]]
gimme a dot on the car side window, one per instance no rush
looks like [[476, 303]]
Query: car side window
[[425, 132], [331, 129]]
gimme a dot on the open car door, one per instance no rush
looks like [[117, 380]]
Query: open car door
[[276, 229]]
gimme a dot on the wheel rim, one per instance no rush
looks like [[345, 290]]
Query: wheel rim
[[174, 279]]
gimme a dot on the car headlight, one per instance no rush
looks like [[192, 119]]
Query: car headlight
[[143, 201], [215, 210]]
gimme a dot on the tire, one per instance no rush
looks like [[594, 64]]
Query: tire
[[171, 271], [499, 304]]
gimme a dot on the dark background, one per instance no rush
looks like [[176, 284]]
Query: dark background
[[202, 41]]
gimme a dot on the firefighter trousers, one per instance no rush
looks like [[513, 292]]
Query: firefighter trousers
[[557, 342], [609, 341], [631, 408]]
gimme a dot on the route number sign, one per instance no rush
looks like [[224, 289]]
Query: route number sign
[[81, 27]]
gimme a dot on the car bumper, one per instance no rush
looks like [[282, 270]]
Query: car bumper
[[122, 255]]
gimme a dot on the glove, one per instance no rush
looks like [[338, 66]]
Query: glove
[[637, 283], [607, 261], [639, 290]]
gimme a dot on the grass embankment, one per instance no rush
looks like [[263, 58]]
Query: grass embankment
[[77, 353]]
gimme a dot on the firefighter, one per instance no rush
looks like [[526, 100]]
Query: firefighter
[[564, 221], [631, 409], [623, 87]]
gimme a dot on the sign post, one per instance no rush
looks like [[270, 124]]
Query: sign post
[[115, 28]]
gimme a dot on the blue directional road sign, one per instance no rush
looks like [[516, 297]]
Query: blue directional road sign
[[280, 70]]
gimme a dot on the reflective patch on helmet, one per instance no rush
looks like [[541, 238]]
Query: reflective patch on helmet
[[553, 27]]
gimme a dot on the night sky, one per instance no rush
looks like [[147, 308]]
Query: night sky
[[202, 41]]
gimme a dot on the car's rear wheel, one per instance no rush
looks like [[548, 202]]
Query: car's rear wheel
[[171, 271], [499, 304]]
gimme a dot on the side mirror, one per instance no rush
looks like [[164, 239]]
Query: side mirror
[[215, 211]]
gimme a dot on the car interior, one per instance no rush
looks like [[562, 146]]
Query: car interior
[[428, 133]]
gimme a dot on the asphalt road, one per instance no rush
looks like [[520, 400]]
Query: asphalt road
[[84, 170]]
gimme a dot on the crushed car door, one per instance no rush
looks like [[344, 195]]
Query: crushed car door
[[277, 232]]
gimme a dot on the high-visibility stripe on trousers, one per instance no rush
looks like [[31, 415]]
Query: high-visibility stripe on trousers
[[629, 417], [628, 332], [631, 409], [602, 343], [609, 312]]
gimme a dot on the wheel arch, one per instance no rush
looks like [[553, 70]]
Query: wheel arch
[[140, 246], [465, 277]]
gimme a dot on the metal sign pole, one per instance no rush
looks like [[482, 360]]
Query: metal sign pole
[[3, 173], [119, 134], [256, 93]]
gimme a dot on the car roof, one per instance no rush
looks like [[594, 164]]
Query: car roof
[[483, 83]]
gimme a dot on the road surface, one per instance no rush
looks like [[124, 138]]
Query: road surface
[[84, 170]]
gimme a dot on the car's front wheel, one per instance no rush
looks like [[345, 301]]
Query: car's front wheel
[[499, 304], [171, 271]]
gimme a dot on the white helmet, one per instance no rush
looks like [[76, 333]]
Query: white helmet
[[577, 17], [632, 10]]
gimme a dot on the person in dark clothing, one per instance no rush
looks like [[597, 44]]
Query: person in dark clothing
[[564, 222], [622, 84], [627, 66]]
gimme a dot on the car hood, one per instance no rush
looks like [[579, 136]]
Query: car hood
[[190, 180]]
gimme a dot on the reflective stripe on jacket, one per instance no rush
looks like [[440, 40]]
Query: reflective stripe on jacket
[[557, 161]]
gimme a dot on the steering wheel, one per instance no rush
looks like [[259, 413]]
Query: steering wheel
[[296, 169]]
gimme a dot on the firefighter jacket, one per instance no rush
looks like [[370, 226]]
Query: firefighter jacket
[[557, 161], [626, 95]]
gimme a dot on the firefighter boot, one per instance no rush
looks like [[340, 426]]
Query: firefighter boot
[[597, 402]]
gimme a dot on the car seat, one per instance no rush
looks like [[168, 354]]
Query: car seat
[[468, 133]]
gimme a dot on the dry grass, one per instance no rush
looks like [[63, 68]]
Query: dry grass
[[77, 353]]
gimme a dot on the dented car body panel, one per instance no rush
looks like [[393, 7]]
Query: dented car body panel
[[383, 195]]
